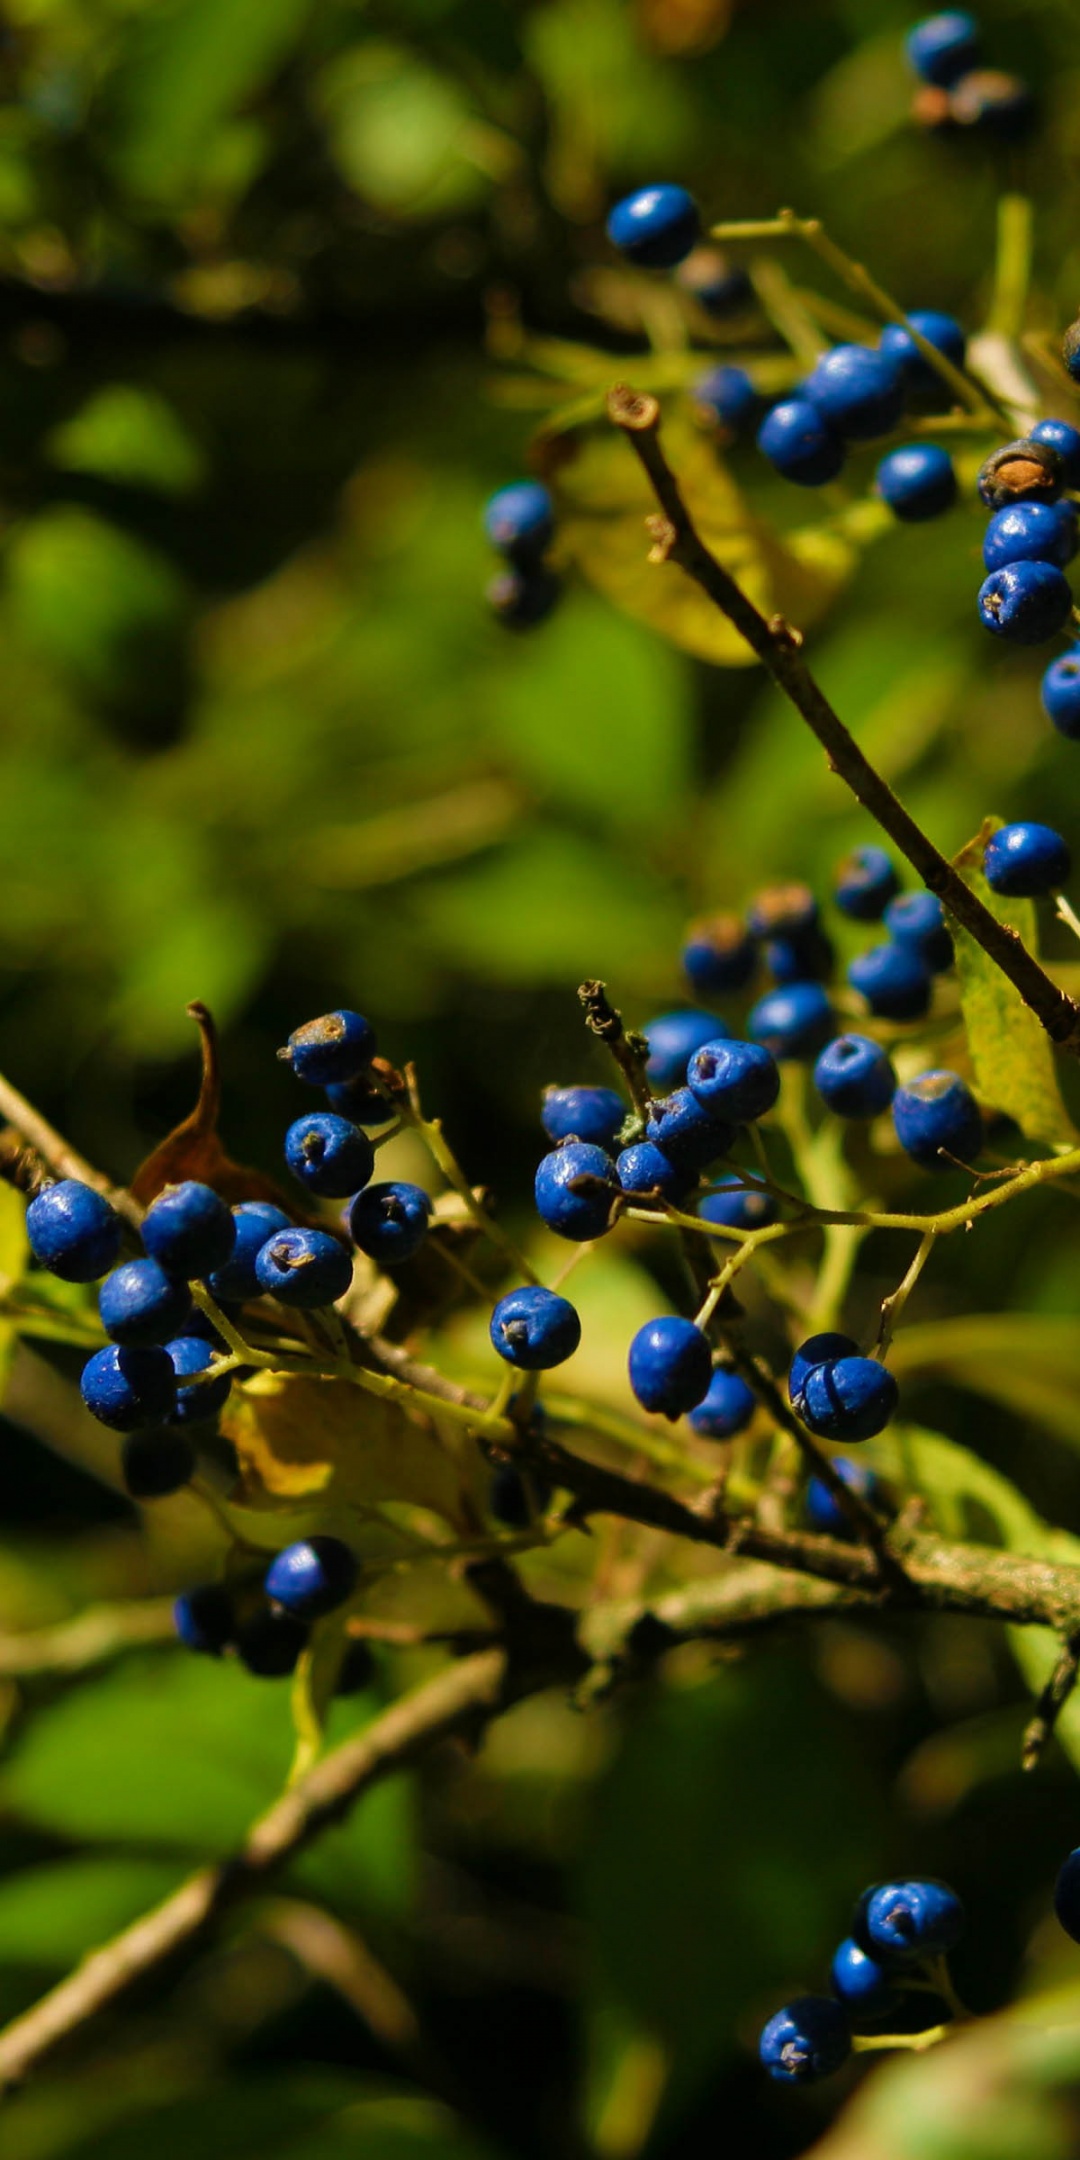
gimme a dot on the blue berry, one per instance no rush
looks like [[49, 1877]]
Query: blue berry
[[205, 1618], [917, 481], [937, 1120], [685, 1131], [862, 1985], [1021, 471], [807, 957], [336, 1047], [575, 1188], [534, 1328], [520, 520], [738, 1081], [894, 979], [1067, 1895], [942, 331], [189, 1355], [189, 1230], [583, 1113], [128, 1388], [825, 1514], [139, 1303], [794, 1023], [1027, 602], [270, 1642], [854, 1078], [1061, 694], [808, 2039], [516, 1497], [848, 1398], [312, 1577], [726, 1409], [797, 439], [73, 1231], [719, 286], [361, 1102], [817, 1350], [918, 919], [857, 391], [865, 882], [1065, 439], [328, 1155], [944, 47], [644, 1168], [656, 226], [718, 955], [787, 911], [904, 1923], [1031, 532], [1026, 860], [303, 1267], [155, 1464], [521, 598], [739, 1206], [670, 1366], [673, 1038], [390, 1221], [729, 393], [236, 1280]]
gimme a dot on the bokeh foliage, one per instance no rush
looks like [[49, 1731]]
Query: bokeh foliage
[[262, 746]]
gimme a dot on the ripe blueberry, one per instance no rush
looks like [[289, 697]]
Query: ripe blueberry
[[334, 1048], [534, 1328], [1070, 349], [726, 1409], [312, 1577], [155, 1464], [794, 1023], [937, 1120], [893, 978], [390, 1221], [520, 520], [1065, 439], [789, 910], [582, 1113], [73, 1231], [270, 1642], [817, 1350], [139, 1303], [681, 1127], [656, 226], [673, 1038], [917, 481], [862, 1985], [1061, 694], [670, 1366], [848, 1398], [941, 331], [575, 1187], [737, 1205], [190, 1355], [1031, 532], [808, 2039], [865, 882], [918, 919], [944, 47], [857, 391], [520, 599], [128, 1388], [1022, 471], [189, 1230], [644, 1168], [854, 1077], [797, 439], [718, 955], [205, 1618], [236, 1280], [361, 1102], [738, 1081], [1027, 602], [303, 1267], [903, 1923], [1026, 860], [328, 1155], [824, 1513], [729, 394]]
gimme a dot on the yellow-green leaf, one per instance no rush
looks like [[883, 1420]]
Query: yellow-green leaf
[[1011, 1056], [305, 1439], [604, 499]]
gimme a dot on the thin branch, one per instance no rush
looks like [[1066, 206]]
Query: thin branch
[[1051, 1702], [91, 1638], [630, 1052], [57, 1156], [779, 646]]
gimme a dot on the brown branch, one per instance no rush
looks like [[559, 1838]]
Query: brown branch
[[1051, 1703], [57, 1156], [91, 1638], [779, 646], [630, 1052]]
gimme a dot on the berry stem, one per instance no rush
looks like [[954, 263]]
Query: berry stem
[[892, 1307], [779, 646]]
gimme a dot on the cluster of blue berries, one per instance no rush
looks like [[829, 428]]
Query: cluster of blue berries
[[267, 1623], [900, 1932], [520, 521], [1032, 534], [956, 94]]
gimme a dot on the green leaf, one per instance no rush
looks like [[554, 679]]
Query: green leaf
[[54, 1914], [186, 68], [1028, 1361], [404, 135], [129, 434], [308, 2115], [92, 599], [553, 909], [1011, 1055]]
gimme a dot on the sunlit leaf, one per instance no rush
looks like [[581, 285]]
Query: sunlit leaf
[[1011, 1055], [129, 434], [1028, 1361], [186, 68], [53, 1913], [297, 1438]]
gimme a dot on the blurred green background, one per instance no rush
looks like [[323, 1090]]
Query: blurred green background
[[263, 746]]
